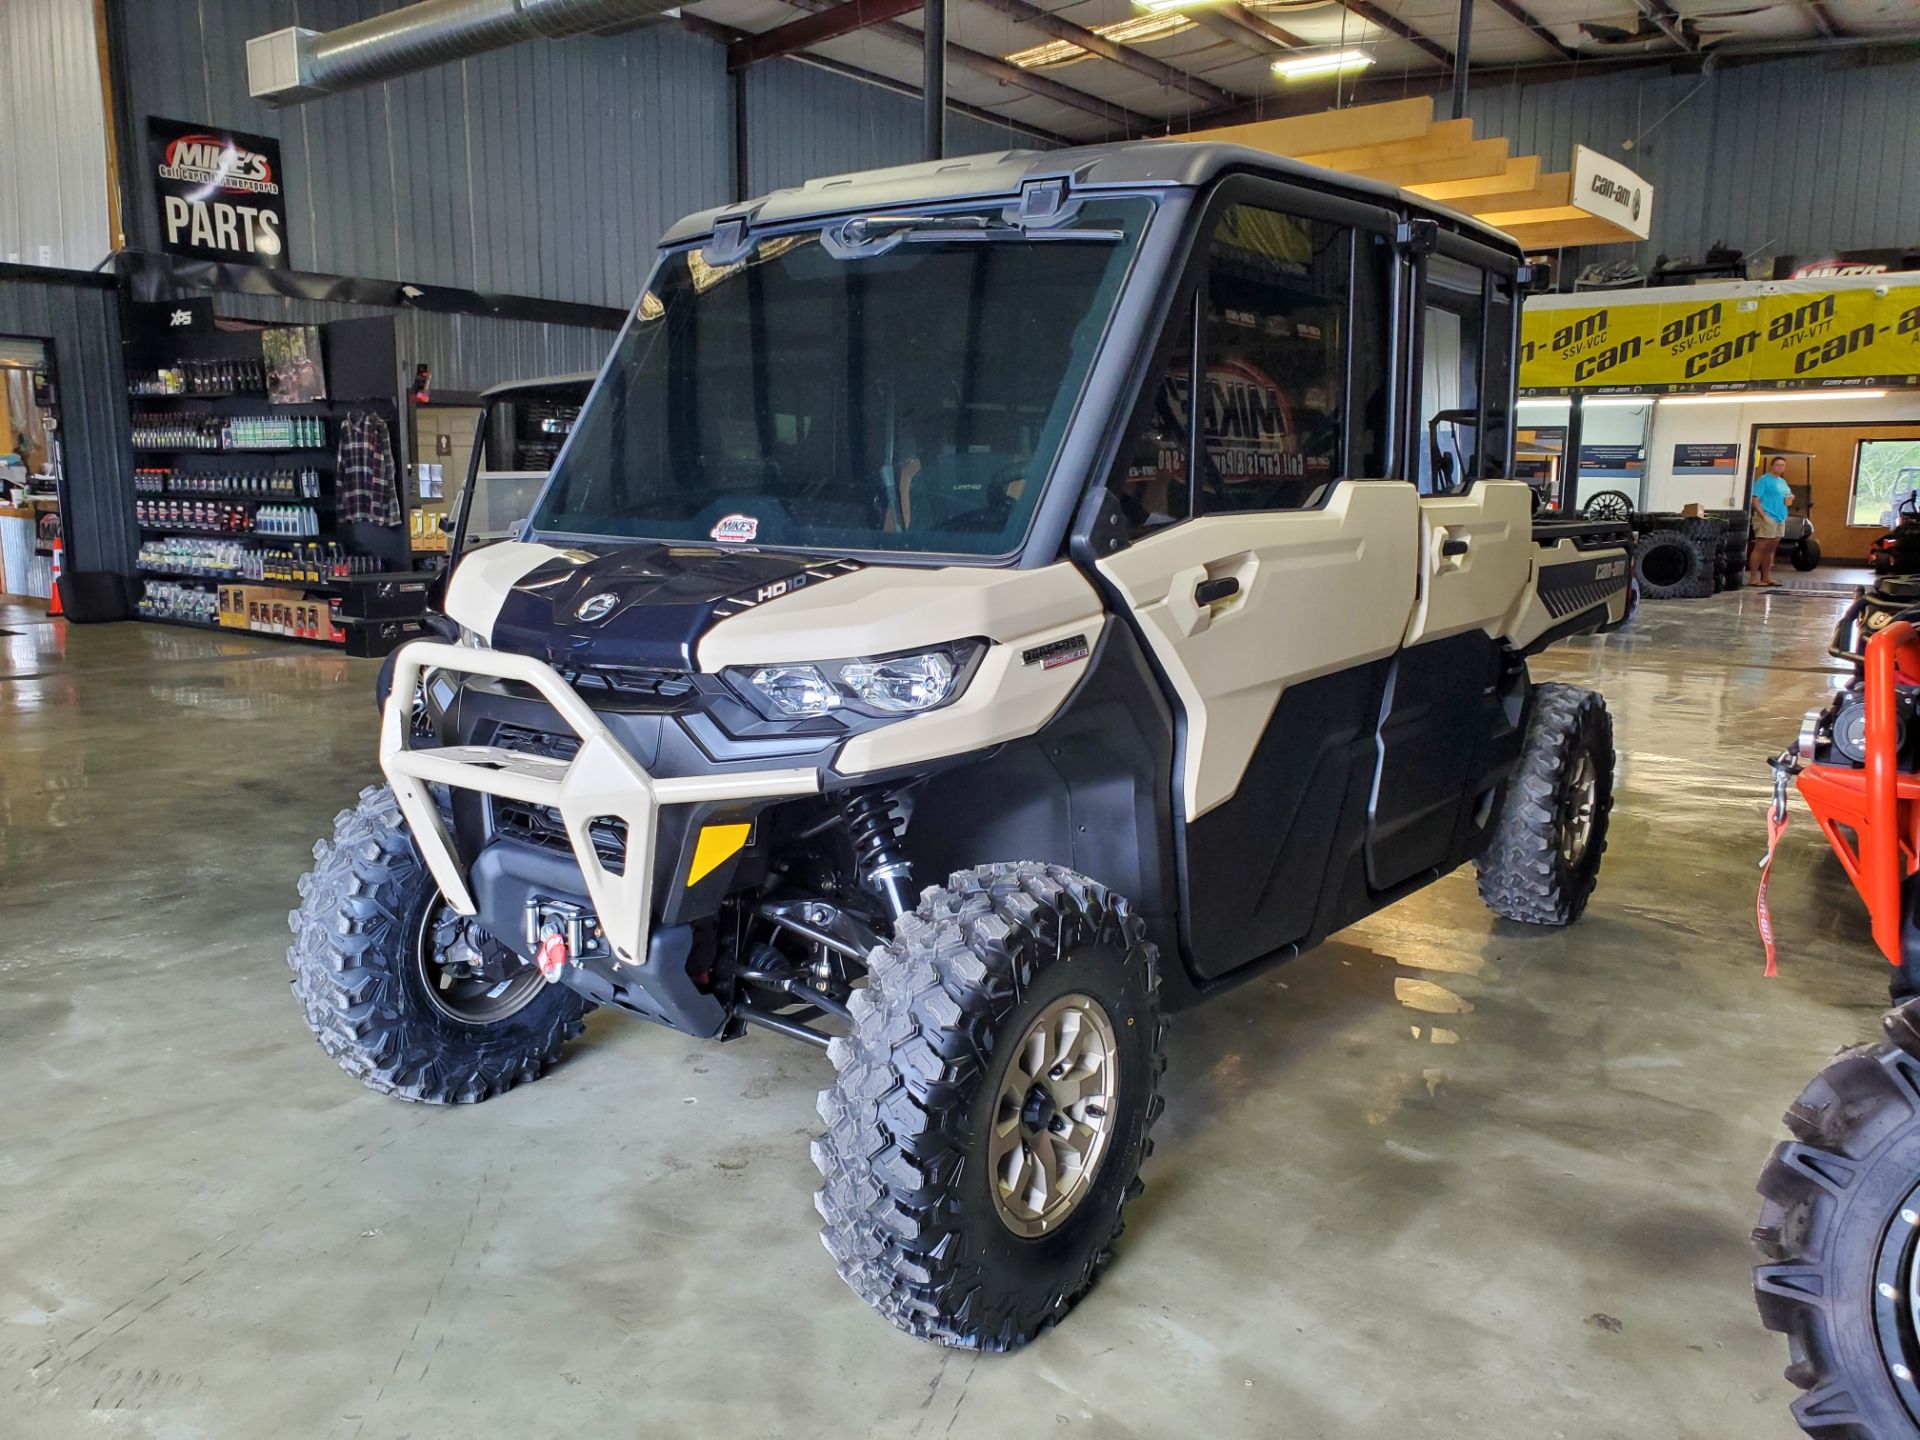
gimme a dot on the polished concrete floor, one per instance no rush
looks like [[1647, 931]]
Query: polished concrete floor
[[1444, 1178]]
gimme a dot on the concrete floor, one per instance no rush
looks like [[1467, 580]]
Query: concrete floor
[[1442, 1178]]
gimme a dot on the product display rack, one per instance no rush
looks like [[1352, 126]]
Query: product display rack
[[182, 482]]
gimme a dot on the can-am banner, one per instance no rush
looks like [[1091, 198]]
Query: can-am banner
[[220, 192], [1841, 333]]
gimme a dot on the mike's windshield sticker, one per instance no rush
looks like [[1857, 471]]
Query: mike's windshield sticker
[[736, 529]]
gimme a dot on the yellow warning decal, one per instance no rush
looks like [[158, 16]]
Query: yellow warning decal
[[717, 845]]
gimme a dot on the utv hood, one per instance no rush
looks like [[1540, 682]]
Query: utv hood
[[641, 606]]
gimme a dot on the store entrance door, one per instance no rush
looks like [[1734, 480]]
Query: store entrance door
[[31, 475]]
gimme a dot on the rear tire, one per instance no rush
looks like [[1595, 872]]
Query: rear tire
[[1806, 554], [1544, 858], [921, 1219], [358, 974], [1835, 1229]]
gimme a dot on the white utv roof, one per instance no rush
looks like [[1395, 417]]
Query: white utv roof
[[1137, 164]]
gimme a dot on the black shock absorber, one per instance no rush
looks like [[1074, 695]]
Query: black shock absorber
[[873, 824]]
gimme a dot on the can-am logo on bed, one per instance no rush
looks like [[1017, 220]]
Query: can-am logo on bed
[[219, 193]]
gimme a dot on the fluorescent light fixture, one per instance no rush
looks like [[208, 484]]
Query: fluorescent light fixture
[[1158, 5], [1772, 397], [1309, 65], [1541, 402], [1591, 401]]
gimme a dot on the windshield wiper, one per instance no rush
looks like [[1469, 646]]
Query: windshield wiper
[[872, 234]]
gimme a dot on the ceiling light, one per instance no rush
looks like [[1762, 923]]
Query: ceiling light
[[1542, 401], [1159, 5], [1772, 397], [1306, 66], [1588, 402]]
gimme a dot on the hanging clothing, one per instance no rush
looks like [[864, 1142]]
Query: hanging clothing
[[366, 473]]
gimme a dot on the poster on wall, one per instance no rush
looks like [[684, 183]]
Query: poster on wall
[[1612, 462], [1705, 462], [295, 375], [219, 193]]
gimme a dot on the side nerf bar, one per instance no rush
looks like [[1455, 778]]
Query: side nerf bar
[[602, 780]]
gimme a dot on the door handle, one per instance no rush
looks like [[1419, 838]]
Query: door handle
[[1453, 547], [1212, 592]]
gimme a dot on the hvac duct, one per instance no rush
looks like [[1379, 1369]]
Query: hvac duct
[[290, 66]]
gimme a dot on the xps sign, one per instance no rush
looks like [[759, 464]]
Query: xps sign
[[219, 193]]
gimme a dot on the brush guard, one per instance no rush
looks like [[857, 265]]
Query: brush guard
[[601, 781], [1878, 803]]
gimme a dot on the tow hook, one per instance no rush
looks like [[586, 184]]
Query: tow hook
[[559, 933], [552, 954]]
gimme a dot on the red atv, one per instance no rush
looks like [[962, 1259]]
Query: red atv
[[1840, 1229]]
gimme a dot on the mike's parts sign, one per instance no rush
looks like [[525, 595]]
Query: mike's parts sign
[[220, 193]]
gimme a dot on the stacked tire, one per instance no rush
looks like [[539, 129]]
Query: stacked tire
[[1678, 558], [1733, 547]]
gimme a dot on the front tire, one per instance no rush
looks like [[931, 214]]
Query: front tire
[[938, 1196], [1840, 1234], [1544, 858], [363, 973]]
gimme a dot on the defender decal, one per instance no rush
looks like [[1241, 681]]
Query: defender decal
[[1057, 652]]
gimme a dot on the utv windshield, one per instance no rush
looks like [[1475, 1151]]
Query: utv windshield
[[900, 383]]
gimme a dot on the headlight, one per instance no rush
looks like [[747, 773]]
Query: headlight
[[883, 685]]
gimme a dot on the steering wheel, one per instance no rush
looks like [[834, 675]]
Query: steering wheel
[[1608, 505]]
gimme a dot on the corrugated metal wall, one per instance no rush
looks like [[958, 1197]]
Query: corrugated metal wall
[[548, 169], [1798, 156], [83, 323], [53, 157], [467, 352], [804, 122]]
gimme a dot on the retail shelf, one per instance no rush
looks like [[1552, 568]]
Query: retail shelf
[[216, 628]]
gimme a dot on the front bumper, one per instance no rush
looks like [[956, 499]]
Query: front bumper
[[601, 781]]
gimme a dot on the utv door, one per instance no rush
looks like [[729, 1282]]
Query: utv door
[[1449, 725], [1270, 569]]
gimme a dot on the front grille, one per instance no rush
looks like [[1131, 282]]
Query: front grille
[[541, 824], [544, 743], [657, 690]]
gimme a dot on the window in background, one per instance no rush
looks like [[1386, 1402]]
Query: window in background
[[1885, 473]]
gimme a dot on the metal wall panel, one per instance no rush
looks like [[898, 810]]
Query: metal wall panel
[[548, 169], [53, 158], [1792, 157], [83, 324], [804, 122]]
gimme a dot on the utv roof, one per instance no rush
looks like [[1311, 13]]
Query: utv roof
[[582, 382], [1141, 164]]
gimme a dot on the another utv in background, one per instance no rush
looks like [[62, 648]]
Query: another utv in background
[[983, 607]]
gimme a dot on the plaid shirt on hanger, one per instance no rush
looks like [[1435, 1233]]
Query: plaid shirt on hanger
[[366, 471]]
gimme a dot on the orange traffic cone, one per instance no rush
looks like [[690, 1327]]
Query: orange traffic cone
[[54, 606]]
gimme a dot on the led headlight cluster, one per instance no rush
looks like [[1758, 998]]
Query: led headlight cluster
[[884, 685]]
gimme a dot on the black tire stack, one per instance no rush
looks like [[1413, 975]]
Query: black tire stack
[[1733, 547], [1679, 558]]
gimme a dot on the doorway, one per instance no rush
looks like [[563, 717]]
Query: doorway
[[32, 477], [1847, 477]]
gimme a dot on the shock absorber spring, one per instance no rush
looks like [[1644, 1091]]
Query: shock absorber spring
[[873, 825]]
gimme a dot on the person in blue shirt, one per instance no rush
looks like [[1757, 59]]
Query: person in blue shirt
[[1771, 497]]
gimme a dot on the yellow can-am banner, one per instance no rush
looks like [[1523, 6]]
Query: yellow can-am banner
[[1793, 334]]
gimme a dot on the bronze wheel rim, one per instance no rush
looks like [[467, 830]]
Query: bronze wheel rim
[[1577, 814], [1054, 1115]]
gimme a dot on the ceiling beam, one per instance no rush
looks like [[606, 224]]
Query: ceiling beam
[[1830, 28], [1096, 44], [1532, 22], [728, 36], [1374, 15], [1663, 16], [1126, 121], [811, 30]]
